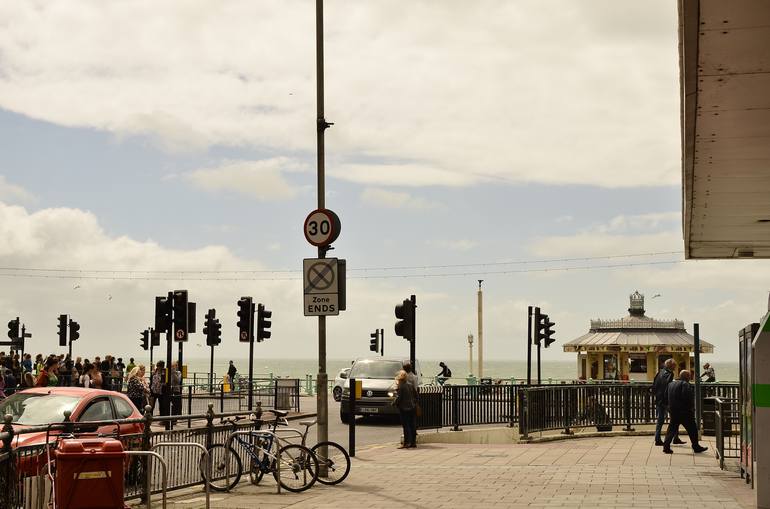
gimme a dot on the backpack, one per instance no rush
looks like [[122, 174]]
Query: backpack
[[156, 385]]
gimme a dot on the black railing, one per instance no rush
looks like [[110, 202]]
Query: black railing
[[547, 407], [727, 424]]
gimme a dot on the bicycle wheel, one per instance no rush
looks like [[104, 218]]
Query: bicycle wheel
[[337, 461], [219, 468], [255, 472], [299, 468]]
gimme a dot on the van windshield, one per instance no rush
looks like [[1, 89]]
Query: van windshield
[[376, 369]]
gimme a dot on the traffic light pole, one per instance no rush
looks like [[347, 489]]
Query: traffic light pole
[[251, 356], [165, 399], [529, 345], [538, 365], [382, 342]]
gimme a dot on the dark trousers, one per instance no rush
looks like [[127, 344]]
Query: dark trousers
[[409, 424], [687, 420], [661, 410]]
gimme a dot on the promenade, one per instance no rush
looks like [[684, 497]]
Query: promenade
[[619, 472]]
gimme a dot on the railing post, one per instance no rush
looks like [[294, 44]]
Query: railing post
[[189, 406], [523, 413], [222, 398], [146, 446], [210, 426], [455, 389], [10, 464], [567, 410], [512, 405], [627, 406]]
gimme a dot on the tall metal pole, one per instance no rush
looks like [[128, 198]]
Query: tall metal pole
[[529, 345], [251, 358], [539, 381], [698, 403], [470, 354], [382, 342], [480, 334], [322, 389]]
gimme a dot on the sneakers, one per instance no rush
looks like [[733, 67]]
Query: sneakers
[[678, 441], [659, 443], [699, 449], [668, 450]]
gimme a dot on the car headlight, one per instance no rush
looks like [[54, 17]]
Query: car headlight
[[391, 394]]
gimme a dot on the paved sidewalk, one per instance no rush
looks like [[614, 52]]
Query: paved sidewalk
[[617, 472]]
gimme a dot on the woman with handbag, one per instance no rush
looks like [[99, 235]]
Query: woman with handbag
[[137, 388], [406, 402]]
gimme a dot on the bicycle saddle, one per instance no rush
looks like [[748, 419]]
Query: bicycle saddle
[[281, 413]]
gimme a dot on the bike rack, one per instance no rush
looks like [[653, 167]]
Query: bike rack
[[147, 478], [229, 442], [206, 474]]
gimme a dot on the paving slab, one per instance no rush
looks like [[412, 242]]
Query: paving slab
[[602, 472]]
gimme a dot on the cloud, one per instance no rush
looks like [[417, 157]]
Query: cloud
[[262, 180], [12, 193], [553, 91], [395, 200]]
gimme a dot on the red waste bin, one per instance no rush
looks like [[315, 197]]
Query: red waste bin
[[89, 474]]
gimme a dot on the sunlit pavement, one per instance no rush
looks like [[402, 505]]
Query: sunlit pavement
[[588, 472]]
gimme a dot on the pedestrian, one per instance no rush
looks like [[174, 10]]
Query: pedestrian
[[708, 372], [130, 367], [410, 374], [156, 383], [95, 375], [444, 374], [49, 374], [176, 389], [231, 371], [10, 382], [106, 367], [136, 387], [660, 389], [681, 409], [406, 402], [84, 380], [27, 363], [79, 366]]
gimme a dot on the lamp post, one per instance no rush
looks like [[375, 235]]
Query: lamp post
[[480, 334], [470, 354]]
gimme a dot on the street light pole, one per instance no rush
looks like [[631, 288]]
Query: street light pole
[[480, 333], [470, 354]]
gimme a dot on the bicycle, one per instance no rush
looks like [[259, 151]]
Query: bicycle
[[336, 459], [298, 465]]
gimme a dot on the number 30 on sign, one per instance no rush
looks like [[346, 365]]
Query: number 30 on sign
[[322, 227]]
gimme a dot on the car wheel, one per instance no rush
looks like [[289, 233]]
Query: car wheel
[[337, 393]]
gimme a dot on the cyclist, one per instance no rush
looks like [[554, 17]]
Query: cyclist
[[444, 374]]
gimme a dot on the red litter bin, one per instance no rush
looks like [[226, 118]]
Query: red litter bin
[[89, 474]]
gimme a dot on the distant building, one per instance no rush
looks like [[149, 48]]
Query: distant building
[[633, 347]]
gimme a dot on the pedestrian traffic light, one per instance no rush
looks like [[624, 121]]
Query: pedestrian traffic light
[[74, 330], [180, 315], [263, 324], [245, 318], [154, 338], [162, 314], [548, 332], [145, 339], [62, 330], [374, 342], [13, 329], [405, 312]]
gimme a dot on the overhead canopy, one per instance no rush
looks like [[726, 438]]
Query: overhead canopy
[[724, 49]]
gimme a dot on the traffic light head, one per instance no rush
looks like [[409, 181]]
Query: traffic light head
[[74, 330], [539, 327], [162, 314], [180, 315], [245, 319], [155, 338], [548, 332], [263, 323], [13, 329], [144, 338], [405, 312], [374, 342], [62, 330]]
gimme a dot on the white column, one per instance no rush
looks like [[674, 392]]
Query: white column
[[480, 336]]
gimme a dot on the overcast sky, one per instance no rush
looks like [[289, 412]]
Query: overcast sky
[[180, 136]]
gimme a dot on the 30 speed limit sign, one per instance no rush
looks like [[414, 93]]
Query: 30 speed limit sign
[[322, 227]]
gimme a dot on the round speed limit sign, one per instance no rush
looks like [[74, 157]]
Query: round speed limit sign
[[322, 227]]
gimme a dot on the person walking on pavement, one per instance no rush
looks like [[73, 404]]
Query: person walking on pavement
[[681, 408], [659, 388], [406, 402], [231, 371]]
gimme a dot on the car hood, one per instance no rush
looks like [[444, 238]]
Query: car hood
[[29, 439]]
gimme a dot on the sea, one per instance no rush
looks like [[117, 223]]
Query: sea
[[300, 368]]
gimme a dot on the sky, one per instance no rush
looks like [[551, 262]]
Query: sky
[[147, 147]]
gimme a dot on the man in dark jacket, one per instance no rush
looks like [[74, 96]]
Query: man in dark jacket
[[681, 408], [659, 388]]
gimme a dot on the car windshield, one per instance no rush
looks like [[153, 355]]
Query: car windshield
[[32, 409], [376, 369]]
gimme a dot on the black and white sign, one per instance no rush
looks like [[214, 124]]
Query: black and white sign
[[322, 227], [320, 285]]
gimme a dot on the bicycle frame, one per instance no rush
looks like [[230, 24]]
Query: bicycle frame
[[250, 448]]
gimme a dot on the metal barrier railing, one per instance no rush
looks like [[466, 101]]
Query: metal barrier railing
[[727, 430]]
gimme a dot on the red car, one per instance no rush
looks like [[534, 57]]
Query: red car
[[46, 405]]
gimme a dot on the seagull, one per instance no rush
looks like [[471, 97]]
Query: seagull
[[76, 287], [109, 296], [656, 295]]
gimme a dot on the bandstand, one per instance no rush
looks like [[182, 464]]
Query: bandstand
[[633, 347]]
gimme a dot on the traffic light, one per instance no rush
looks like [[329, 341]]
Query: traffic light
[[145, 339], [13, 329], [154, 338], [62, 330], [405, 312], [162, 314], [74, 330], [245, 318], [212, 329], [180, 315], [548, 332], [374, 342], [263, 324], [539, 326]]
